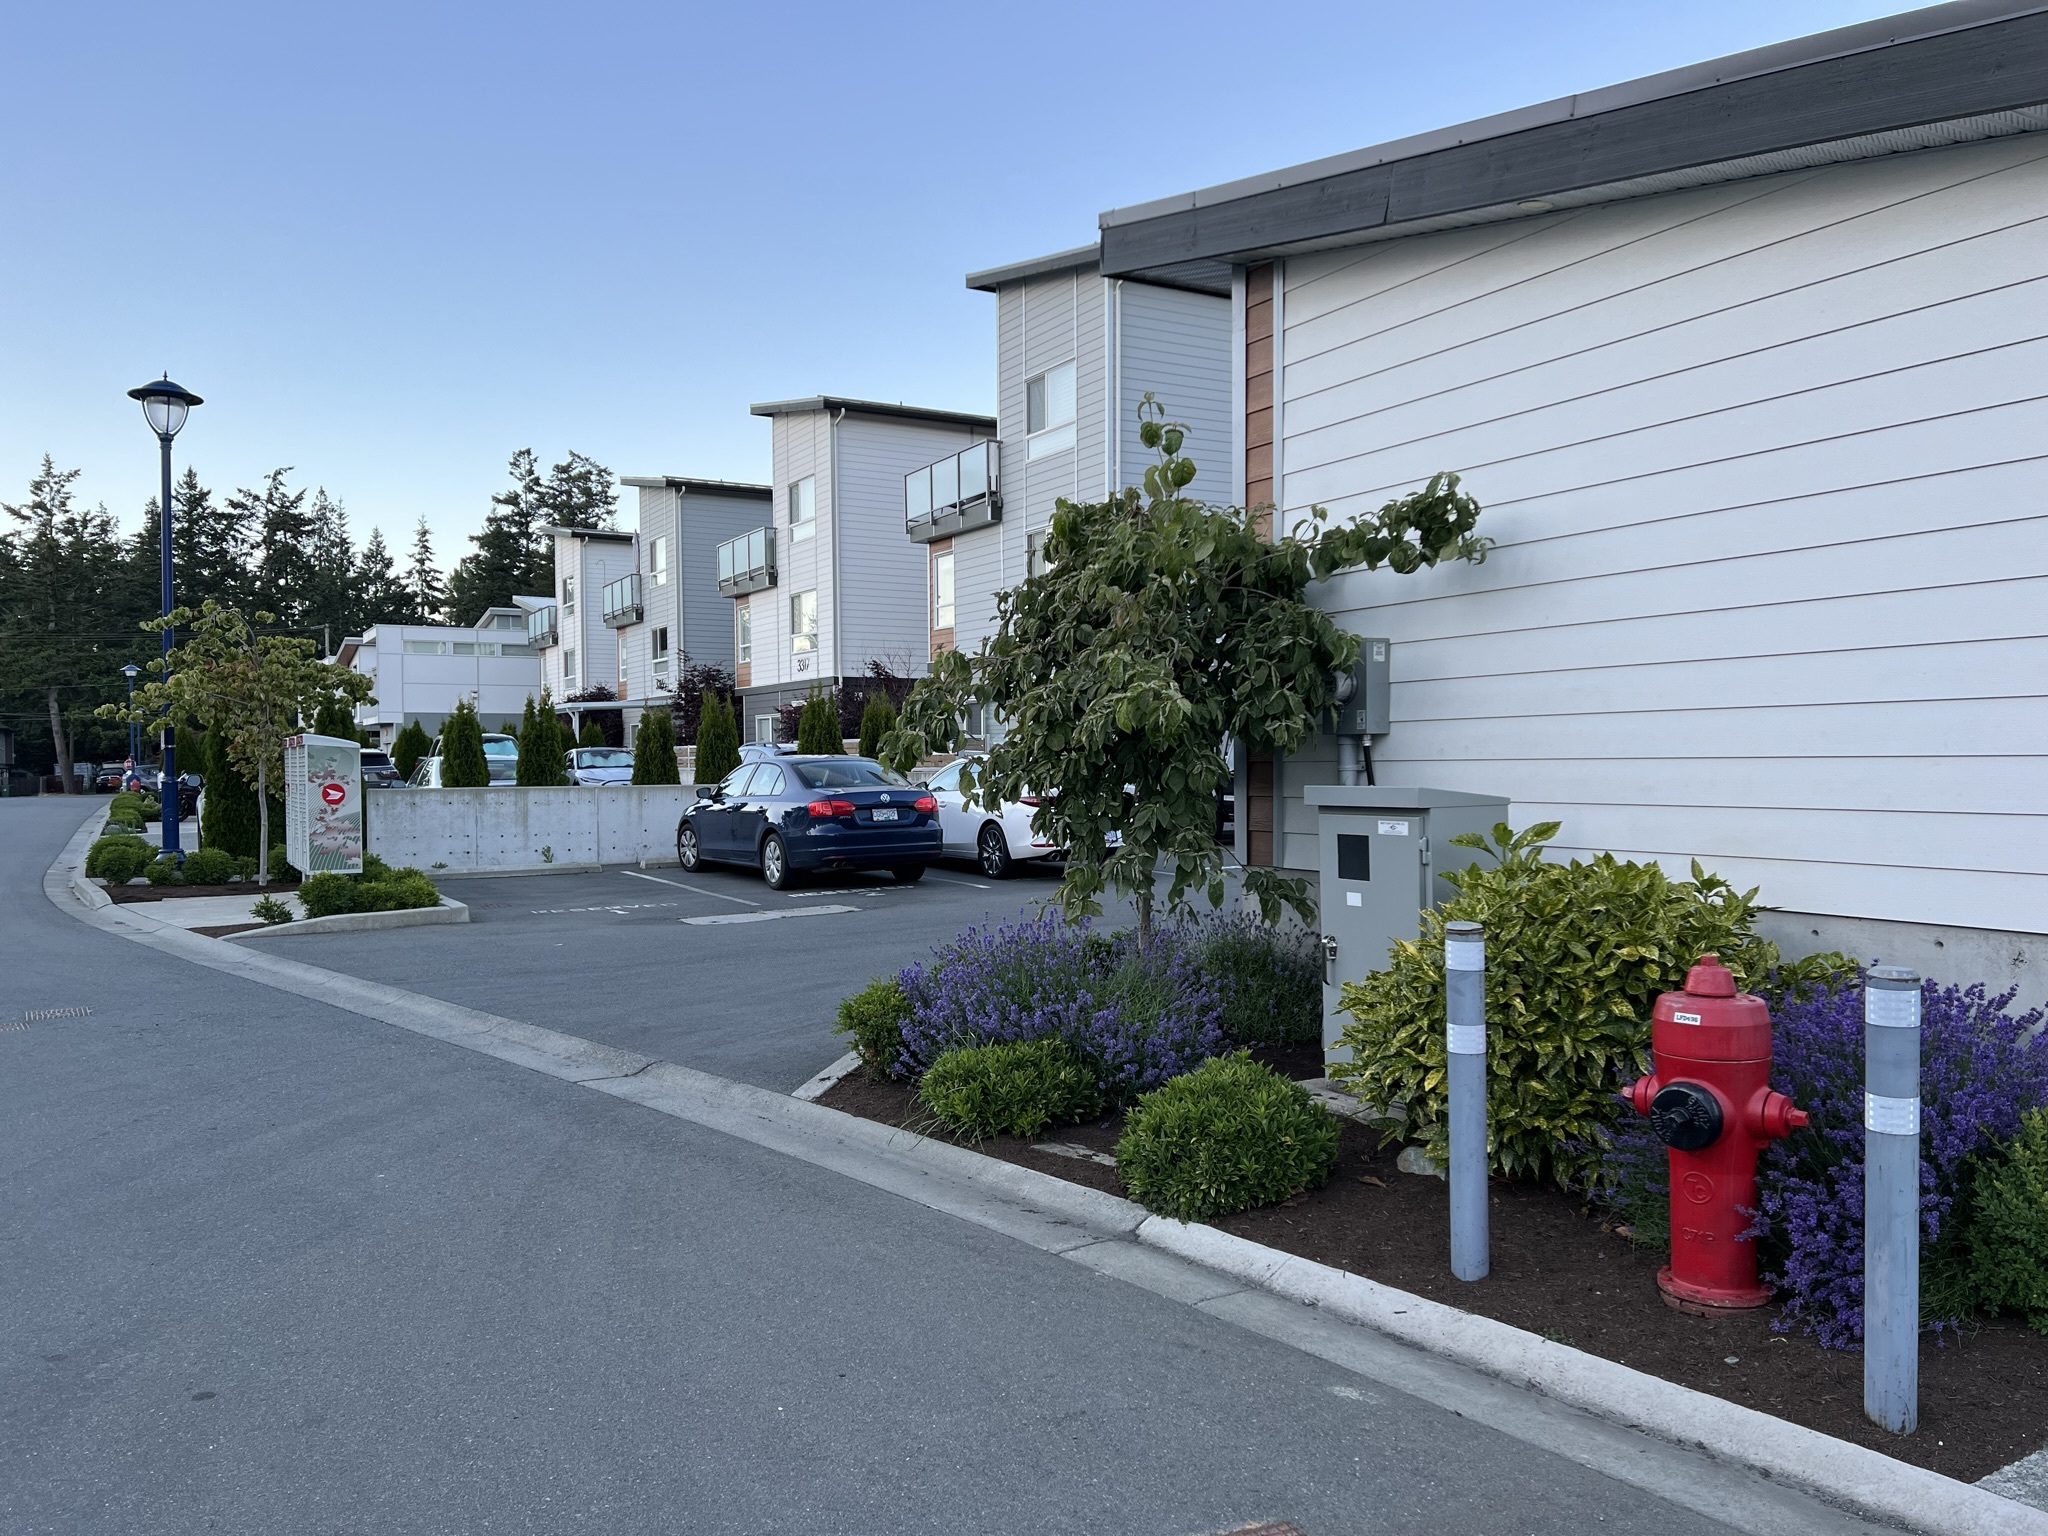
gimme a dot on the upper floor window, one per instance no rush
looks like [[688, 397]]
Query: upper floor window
[[657, 561], [803, 508], [568, 593], [1049, 410], [803, 621], [942, 590], [743, 631], [1035, 561], [658, 648], [569, 667]]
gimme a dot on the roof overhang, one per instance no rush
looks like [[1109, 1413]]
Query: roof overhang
[[692, 484], [812, 403], [1948, 74], [1082, 258], [602, 535]]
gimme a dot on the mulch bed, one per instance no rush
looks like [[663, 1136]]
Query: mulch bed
[[1562, 1272], [139, 893]]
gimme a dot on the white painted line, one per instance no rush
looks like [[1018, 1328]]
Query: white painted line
[[845, 1066], [956, 880], [724, 919], [720, 895], [1074, 1150]]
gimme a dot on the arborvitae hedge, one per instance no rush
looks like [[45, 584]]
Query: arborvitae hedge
[[654, 749], [876, 721], [817, 729], [718, 741], [407, 748], [463, 765], [229, 822]]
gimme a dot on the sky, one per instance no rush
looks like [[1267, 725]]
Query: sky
[[392, 243]]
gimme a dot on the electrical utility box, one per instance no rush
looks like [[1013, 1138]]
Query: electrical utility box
[[1383, 853], [1365, 693], [323, 805]]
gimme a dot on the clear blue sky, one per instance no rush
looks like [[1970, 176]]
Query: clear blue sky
[[391, 243]]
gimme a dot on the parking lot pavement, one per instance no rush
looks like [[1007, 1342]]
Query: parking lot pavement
[[710, 969]]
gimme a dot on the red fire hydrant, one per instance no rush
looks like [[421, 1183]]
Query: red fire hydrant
[[1712, 1104]]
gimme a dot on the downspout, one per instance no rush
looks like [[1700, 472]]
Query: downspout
[[1113, 370], [838, 597]]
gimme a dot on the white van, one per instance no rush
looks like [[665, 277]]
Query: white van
[[501, 755]]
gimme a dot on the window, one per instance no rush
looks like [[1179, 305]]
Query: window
[[657, 561], [803, 508], [569, 666], [764, 729], [658, 649], [1035, 563], [942, 590], [848, 773], [735, 782], [1049, 410], [568, 594], [767, 782], [426, 647], [743, 631], [803, 621], [466, 648], [947, 778]]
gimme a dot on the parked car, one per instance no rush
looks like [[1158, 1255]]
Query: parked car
[[997, 840], [379, 772], [764, 751], [108, 780], [795, 814], [501, 756], [599, 765]]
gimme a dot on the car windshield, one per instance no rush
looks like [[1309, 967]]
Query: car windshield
[[849, 773], [500, 746], [604, 757], [376, 760]]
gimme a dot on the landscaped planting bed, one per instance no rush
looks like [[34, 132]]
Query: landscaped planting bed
[[1561, 1271]]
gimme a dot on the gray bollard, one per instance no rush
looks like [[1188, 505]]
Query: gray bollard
[[1465, 1036], [1891, 1198]]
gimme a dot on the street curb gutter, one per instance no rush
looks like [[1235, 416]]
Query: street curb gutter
[[449, 911], [826, 1080]]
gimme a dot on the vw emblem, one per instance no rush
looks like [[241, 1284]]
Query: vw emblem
[[885, 799]]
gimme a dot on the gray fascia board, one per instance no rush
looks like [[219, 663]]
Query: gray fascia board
[[812, 403], [1986, 59], [689, 483], [610, 534], [1081, 258]]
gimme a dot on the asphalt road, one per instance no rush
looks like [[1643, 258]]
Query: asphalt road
[[623, 956], [269, 1266]]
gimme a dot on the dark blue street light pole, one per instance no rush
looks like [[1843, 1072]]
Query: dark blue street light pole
[[131, 672], [164, 406]]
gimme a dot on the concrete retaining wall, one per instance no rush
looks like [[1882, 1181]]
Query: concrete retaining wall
[[505, 827]]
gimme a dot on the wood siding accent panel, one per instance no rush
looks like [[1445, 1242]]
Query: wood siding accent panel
[[1258, 391], [1260, 812], [1766, 468]]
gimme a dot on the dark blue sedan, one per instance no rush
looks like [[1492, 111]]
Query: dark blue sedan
[[794, 814]]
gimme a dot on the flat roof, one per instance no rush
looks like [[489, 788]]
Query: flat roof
[[872, 408], [698, 485], [589, 533], [1080, 258], [1941, 75]]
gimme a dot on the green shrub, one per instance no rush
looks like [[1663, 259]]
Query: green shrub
[[270, 910], [874, 1018], [463, 765], [1011, 1088], [232, 821], [245, 868], [1225, 1137], [407, 748], [209, 866], [593, 734], [281, 868], [2005, 1238], [817, 728], [164, 870], [876, 721], [1575, 957], [378, 889], [654, 749], [116, 825], [718, 739], [542, 741], [118, 859], [1270, 979]]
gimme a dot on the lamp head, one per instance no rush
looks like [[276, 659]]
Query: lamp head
[[131, 671], [164, 405]]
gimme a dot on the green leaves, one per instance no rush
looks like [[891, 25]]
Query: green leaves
[[1227, 1136]]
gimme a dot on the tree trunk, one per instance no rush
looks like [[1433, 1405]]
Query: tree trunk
[[61, 741], [1144, 904], [262, 825]]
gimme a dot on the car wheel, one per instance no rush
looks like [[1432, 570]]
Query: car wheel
[[775, 863], [687, 853], [992, 852], [908, 874]]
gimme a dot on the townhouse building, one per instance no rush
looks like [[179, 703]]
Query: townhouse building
[[826, 583], [578, 648], [419, 671], [1743, 361]]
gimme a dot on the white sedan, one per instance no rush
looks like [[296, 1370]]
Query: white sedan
[[996, 840]]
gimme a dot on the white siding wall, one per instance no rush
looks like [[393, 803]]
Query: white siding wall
[[1177, 345], [1768, 468], [802, 447]]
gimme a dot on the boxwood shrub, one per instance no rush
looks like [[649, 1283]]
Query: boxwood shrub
[[378, 889], [1012, 1088], [118, 859], [874, 1018], [1230, 1135], [164, 870], [209, 866]]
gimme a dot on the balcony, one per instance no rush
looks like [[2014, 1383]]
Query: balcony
[[540, 626], [747, 563], [622, 601], [957, 493]]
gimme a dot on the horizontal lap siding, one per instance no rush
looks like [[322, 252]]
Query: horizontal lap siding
[[1768, 469], [1177, 345]]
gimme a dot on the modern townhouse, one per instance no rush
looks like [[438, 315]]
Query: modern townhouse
[[1744, 361], [579, 649], [1075, 354], [419, 671], [668, 611], [827, 583]]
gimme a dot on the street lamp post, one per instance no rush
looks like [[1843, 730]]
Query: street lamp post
[[164, 406], [131, 672]]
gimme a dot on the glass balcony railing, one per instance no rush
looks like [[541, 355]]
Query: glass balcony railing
[[961, 491], [747, 563], [622, 600], [540, 626]]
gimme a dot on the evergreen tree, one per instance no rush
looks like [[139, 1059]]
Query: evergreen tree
[[718, 740], [534, 741], [423, 580], [332, 601], [463, 764], [286, 576], [337, 718], [654, 749], [382, 595], [876, 721], [579, 493], [593, 733], [817, 729], [511, 553], [211, 544], [230, 819], [407, 748]]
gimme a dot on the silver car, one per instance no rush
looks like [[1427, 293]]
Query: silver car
[[599, 765]]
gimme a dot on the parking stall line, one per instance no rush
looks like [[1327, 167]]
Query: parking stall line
[[700, 890], [726, 919]]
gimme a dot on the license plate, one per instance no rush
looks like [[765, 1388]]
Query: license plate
[[883, 813]]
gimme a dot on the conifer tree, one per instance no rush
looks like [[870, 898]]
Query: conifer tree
[[408, 747], [654, 749], [423, 580], [876, 721], [463, 764], [718, 740], [817, 729]]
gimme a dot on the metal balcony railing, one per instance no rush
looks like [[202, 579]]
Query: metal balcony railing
[[622, 600], [747, 563], [541, 627], [961, 491]]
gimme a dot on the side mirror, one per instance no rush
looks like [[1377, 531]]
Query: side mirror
[[921, 783], [717, 793]]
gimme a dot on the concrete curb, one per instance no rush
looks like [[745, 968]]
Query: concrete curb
[[449, 911], [823, 1083], [562, 867]]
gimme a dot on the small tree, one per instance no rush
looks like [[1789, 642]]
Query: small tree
[[718, 741], [695, 682], [654, 749], [248, 691], [1165, 627], [230, 819], [542, 741], [593, 734], [408, 747], [611, 723], [463, 764], [817, 728], [876, 721], [337, 718]]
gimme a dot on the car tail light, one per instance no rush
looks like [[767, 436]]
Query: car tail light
[[830, 810], [1027, 799], [924, 803]]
